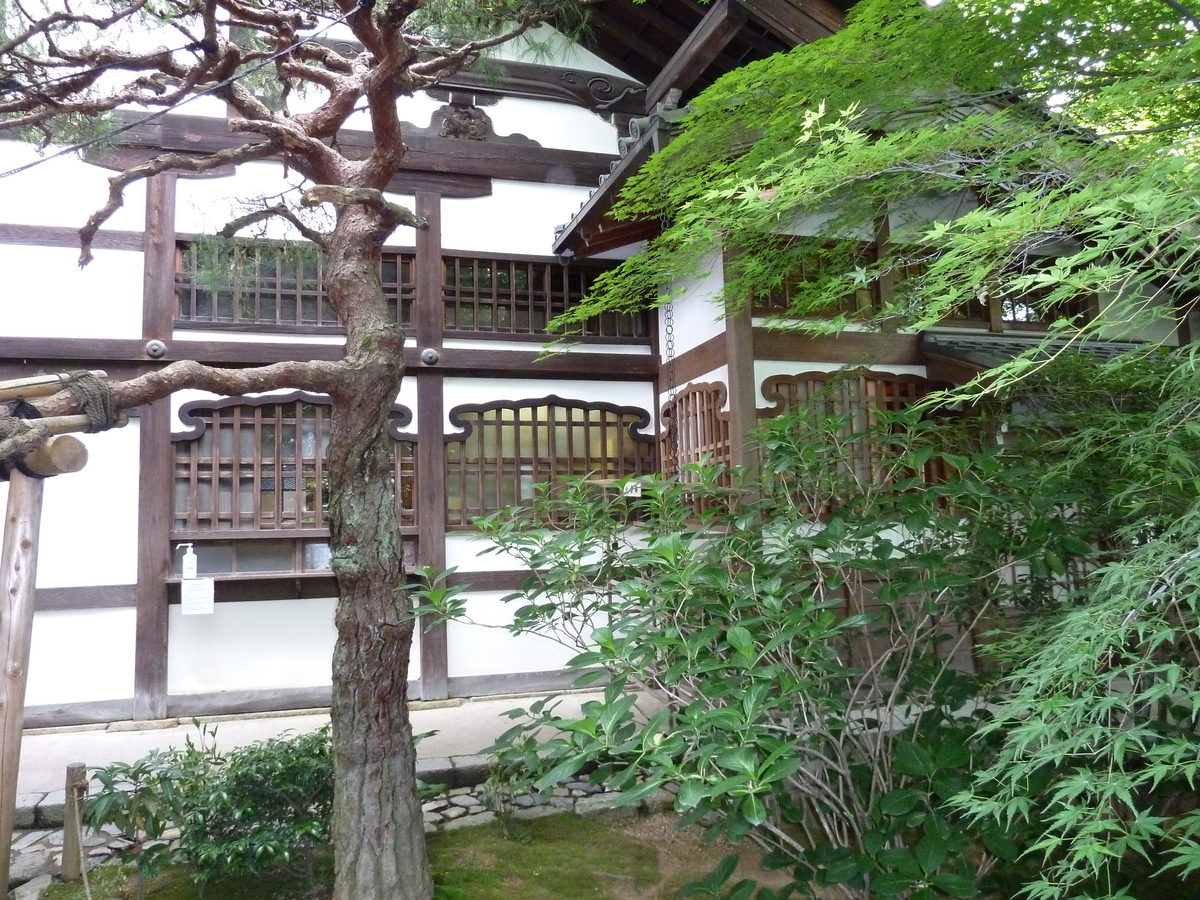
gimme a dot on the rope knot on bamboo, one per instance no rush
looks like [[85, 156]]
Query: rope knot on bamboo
[[95, 398], [17, 430]]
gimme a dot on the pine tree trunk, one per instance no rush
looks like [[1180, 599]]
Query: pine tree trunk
[[378, 828]]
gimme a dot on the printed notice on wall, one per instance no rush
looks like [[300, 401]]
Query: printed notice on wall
[[197, 596]]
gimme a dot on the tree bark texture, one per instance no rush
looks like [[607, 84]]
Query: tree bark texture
[[378, 828]]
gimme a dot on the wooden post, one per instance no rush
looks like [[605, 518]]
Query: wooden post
[[18, 576], [76, 787]]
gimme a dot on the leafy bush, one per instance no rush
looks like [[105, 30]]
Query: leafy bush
[[808, 634], [255, 807]]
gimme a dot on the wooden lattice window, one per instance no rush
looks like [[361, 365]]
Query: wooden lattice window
[[255, 468], [507, 448], [851, 401], [697, 428], [517, 298], [268, 287], [812, 265]]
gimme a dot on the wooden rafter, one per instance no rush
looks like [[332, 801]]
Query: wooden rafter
[[718, 27]]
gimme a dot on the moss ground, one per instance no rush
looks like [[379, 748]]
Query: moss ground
[[560, 857]]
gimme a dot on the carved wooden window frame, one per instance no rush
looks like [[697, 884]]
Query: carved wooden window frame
[[506, 447], [224, 486]]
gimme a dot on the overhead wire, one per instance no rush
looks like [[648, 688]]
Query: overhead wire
[[158, 114]]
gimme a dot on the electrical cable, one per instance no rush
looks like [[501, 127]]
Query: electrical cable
[[129, 126]]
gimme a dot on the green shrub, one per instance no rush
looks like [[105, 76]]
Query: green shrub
[[809, 636], [248, 810]]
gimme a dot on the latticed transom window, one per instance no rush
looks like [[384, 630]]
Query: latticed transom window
[[520, 297], [697, 428], [843, 410], [509, 448], [270, 286], [255, 468]]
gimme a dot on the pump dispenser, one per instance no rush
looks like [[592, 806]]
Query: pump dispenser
[[189, 561]]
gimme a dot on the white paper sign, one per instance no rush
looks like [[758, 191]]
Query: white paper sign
[[197, 596]]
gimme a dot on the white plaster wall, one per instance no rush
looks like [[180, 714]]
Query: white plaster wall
[[764, 369], [44, 293], [526, 346], [62, 191], [483, 390], [562, 126], [79, 656], [254, 645], [406, 397], [1131, 319], [90, 518], [487, 648], [518, 218], [233, 337], [467, 552], [699, 314]]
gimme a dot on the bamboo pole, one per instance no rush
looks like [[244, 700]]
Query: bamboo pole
[[18, 576], [76, 788], [60, 454], [38, 385]]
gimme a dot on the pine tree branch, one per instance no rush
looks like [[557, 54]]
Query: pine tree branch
[[167, 161], [392, 213], [317, 376], [270, 212]]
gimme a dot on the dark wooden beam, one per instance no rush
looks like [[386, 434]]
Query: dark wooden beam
[[621, 36], [513, 683], [155, 489], [50, 354], [426, 154], [701, 359], [850, 348], [743, 387], [227, 703], [59, 715], [158, 288], [104, 596], [57, 236], [718, 27], [428, 319], [797, 23]]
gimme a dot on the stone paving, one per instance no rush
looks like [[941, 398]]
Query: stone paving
[[38, 839]]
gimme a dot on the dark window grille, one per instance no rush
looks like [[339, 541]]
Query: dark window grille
[[258, 466], [507, 449], [265, 287], [852, 401], [696, 428], [519, 298]]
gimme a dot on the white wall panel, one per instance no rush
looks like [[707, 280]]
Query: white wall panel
[[558, 125], [78, 189], [254, 645], [79, 656], [90, 518], [698, 312], [487, 648], [46, 294], [517, 218]]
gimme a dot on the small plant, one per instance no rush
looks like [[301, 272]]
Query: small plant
[[256, 807]]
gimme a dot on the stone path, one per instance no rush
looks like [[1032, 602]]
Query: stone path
[[38, 841]]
